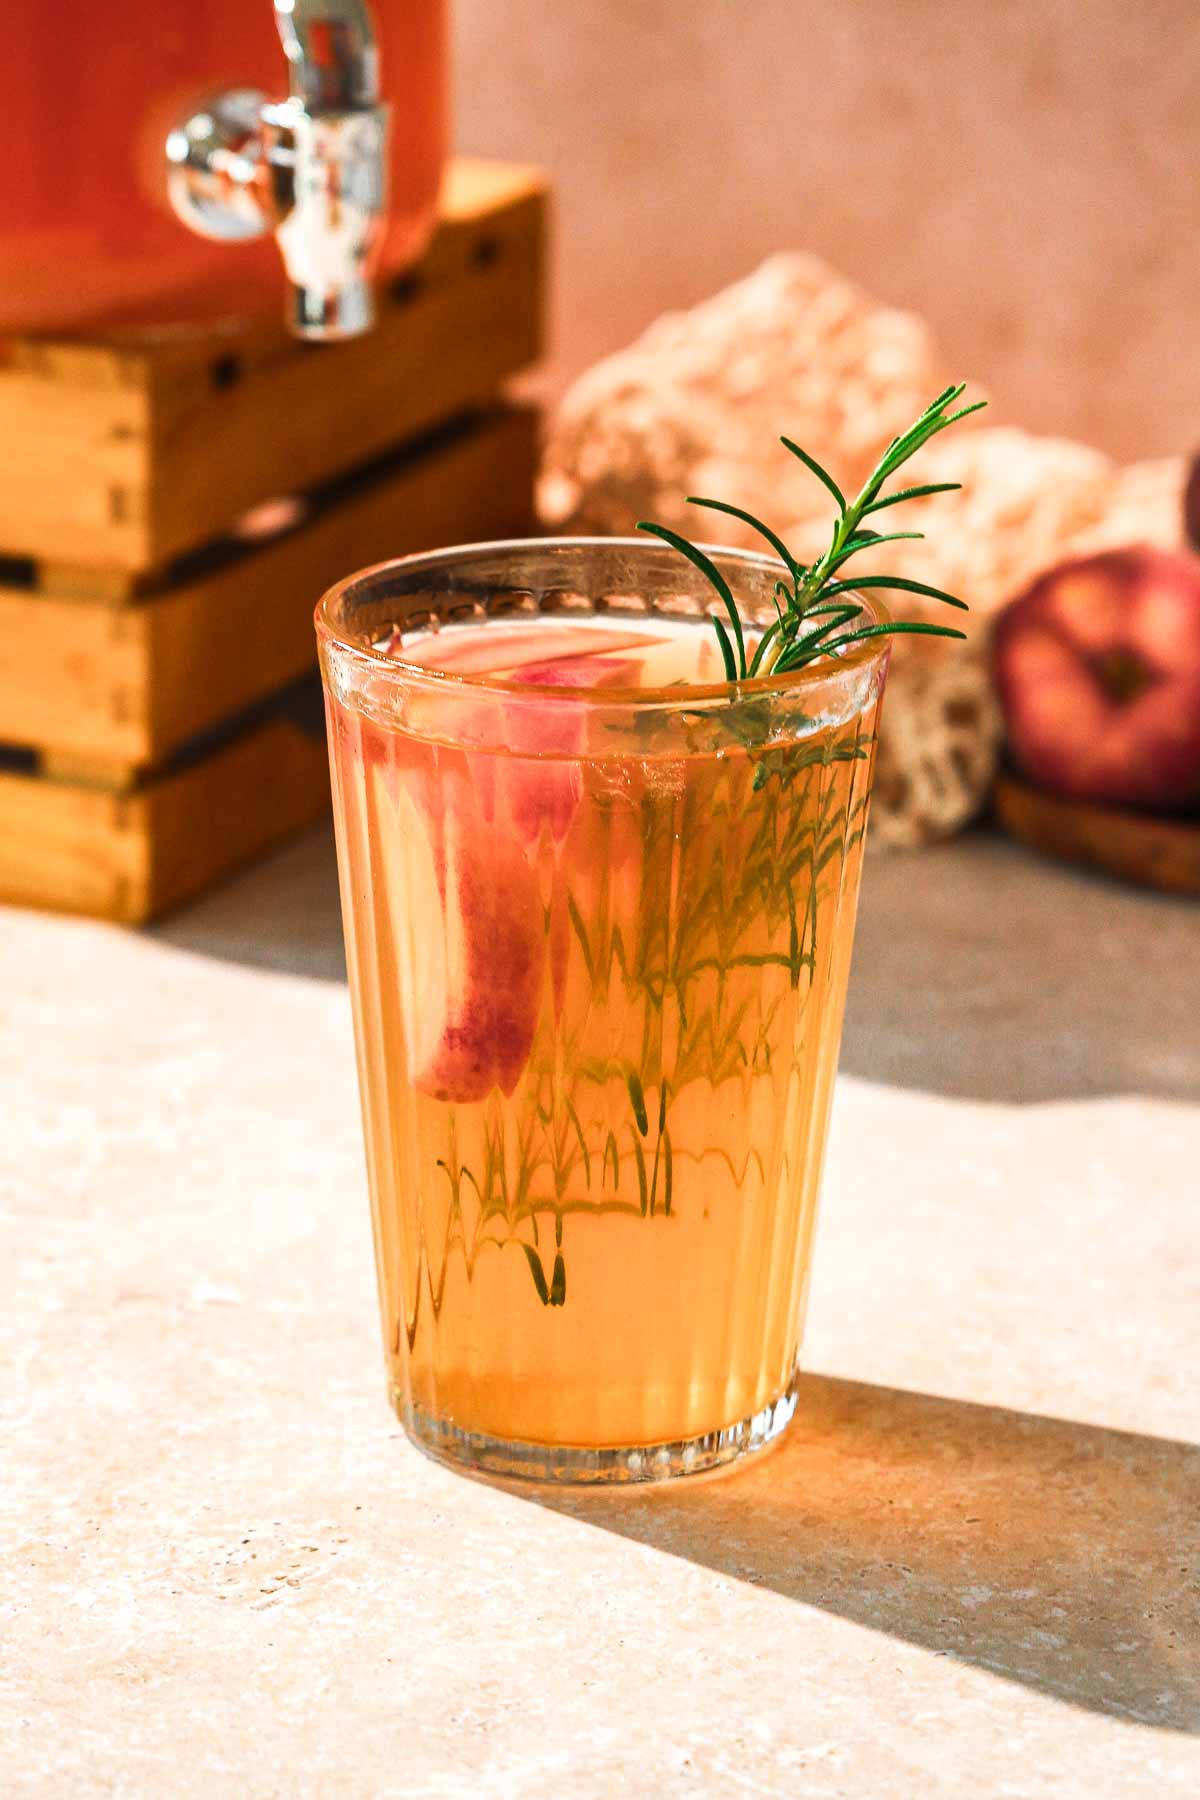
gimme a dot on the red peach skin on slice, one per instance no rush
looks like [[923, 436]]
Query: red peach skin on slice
[[468, 931]]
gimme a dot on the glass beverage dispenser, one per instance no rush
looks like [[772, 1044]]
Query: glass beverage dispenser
[[155, 147]]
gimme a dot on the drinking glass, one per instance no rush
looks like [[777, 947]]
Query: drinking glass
[[598, 933]]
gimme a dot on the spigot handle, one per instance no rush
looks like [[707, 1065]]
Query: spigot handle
[[215, 173]]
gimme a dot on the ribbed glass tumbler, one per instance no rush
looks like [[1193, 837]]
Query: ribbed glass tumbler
[[598, 934]]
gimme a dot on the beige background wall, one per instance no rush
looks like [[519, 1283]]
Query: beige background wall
[[1026, 173]]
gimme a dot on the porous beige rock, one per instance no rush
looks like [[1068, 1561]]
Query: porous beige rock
[[697, 405], [1145, 506]]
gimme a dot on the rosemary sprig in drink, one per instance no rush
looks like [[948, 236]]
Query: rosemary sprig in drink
[[816, 613]]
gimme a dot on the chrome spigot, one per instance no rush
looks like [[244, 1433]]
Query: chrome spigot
[[311, 168]]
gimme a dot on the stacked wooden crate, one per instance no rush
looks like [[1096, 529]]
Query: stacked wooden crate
[[171, 509]]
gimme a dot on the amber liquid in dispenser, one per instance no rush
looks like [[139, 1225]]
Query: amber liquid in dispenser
[[599, 1002]]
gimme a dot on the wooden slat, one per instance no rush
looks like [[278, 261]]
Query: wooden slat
[[205, 822], [78, 581], [74, 470], [70, 849], [130, 858], [106, 689], [73, 678], [111, 774]]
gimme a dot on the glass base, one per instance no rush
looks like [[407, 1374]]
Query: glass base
[[566, 1463]]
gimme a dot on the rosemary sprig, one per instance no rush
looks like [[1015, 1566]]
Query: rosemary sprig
[[817, 615]]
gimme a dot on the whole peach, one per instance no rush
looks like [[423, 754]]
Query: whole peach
[[1097, 667]]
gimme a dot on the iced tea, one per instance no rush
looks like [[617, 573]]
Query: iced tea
[[598, 913]]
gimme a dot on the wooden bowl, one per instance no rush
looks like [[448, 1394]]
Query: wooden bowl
[[1154, 852]]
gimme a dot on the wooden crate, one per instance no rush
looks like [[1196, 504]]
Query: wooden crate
[[173, 504], [129, 856], [122, 454], [143, 760]]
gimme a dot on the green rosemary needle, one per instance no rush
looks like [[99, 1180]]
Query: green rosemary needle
[[816, 614]]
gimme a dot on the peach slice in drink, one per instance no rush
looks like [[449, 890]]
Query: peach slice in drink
[[467, 932], [467, 919], [470, 839]]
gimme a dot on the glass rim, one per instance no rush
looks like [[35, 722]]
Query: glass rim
[[821, 669]]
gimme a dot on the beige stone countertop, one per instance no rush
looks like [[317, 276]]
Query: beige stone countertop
[[971, 1568]]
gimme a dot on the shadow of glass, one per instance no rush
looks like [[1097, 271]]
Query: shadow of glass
[[1058, 1555], [982, 971]]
